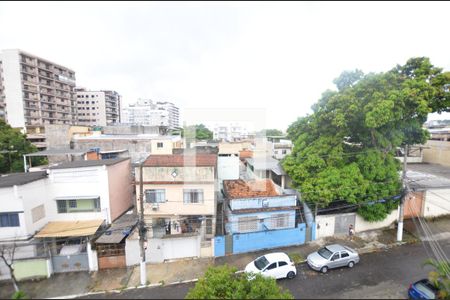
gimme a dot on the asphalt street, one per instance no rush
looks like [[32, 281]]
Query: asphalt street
[[383, 275]]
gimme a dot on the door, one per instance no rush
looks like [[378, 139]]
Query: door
[[283, 269], [335, 260], [271, 271], [345, 258]]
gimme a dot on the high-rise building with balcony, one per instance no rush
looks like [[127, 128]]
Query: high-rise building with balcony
[[98, 108], [149, 113], [35, 91]]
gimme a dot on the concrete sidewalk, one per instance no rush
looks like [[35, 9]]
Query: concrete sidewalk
[[80, 283]]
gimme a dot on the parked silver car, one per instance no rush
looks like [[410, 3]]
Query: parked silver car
[[332, 256]]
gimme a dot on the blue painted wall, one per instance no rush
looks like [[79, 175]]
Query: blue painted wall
[[254, 241], [313, 231], [219, 246], [265, 221]]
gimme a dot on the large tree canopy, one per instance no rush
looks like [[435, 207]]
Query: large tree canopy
[[345, 149], [199, 132], [13, 144], [222, 283]]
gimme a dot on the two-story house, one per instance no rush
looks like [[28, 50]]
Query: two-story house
[[180, 205]]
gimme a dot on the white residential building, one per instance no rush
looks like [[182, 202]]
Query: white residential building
[[150, 113], [228, 131], [98, 108], [35, 91]]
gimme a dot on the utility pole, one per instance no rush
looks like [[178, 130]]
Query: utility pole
[[402, 200], [142, 230]]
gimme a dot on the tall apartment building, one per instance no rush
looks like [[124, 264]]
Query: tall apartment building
[[149, 113], [98, 108], [35, 91]]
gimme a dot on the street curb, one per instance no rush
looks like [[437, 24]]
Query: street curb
[[116, 291]]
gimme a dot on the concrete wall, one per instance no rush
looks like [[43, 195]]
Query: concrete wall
[[30, 268], [132, 249], [120, 188], [437, 152], [325, 226], [227, 168], [175, 204], [260, 202], [90, 181], [133, 129], [436, 202], [362, 225], [166, 149], [254, 241], [185, 173]]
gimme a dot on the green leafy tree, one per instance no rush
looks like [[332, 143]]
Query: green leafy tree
[[223, 283], [345, 149], [199, 132], [440, 277], [13, 145]]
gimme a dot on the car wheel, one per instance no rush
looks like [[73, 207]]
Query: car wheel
[[324, 269], [351, 264], [290, 275]]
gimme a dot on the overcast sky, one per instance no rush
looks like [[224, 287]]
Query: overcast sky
[[226, 58]]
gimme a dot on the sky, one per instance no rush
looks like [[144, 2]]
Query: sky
[[230, 61]]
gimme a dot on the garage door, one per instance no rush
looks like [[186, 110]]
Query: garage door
[[182, 247]]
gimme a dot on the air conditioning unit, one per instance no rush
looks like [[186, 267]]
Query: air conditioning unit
[[155, 206]]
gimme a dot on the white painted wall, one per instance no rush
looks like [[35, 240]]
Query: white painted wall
[[12, 83], [362, 225], [437, 203], [324, 226], [228, 167], [73, 182], [132, 251]]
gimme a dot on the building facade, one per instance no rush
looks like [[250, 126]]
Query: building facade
[[150, 113], [180, 205], [35, 91], [98, 108]]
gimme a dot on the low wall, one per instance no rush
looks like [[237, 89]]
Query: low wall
[[363, 225], [254, 241], [30, 268]]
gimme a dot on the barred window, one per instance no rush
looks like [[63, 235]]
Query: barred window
[[280, 220], [155, 196], [247, 224], [193, 196]]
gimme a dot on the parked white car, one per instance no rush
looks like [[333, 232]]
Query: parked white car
[[277, 265]]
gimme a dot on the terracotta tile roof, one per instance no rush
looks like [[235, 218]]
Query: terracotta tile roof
[[180, 160], [246, 189]]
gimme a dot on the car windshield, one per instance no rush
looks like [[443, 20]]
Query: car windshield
[[325, 253], [261, 262]]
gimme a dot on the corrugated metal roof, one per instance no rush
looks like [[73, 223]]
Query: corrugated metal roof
[[119, 230], [69, 228], [88, 163]]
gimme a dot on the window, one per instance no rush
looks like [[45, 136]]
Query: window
[[344, 254], [336, 256], [282, 263], [283, 151], [280, 220], [209, 226], [78, 205], [272, 266], [9, 220], [155, 196], [159, 145], [247, 224], [92, 96], [193, 196]]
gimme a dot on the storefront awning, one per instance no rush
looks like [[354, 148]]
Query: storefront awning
[[69, 228]]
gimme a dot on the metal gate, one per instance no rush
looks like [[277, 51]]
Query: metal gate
[[342, 222], [308, 234], [70, 263], [228, 244]]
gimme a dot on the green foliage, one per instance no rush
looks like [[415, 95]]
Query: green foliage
[[222, 283], [440, 277], [296, 258], [198, 132], [13, 145], [345, 149], [19, 295]]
